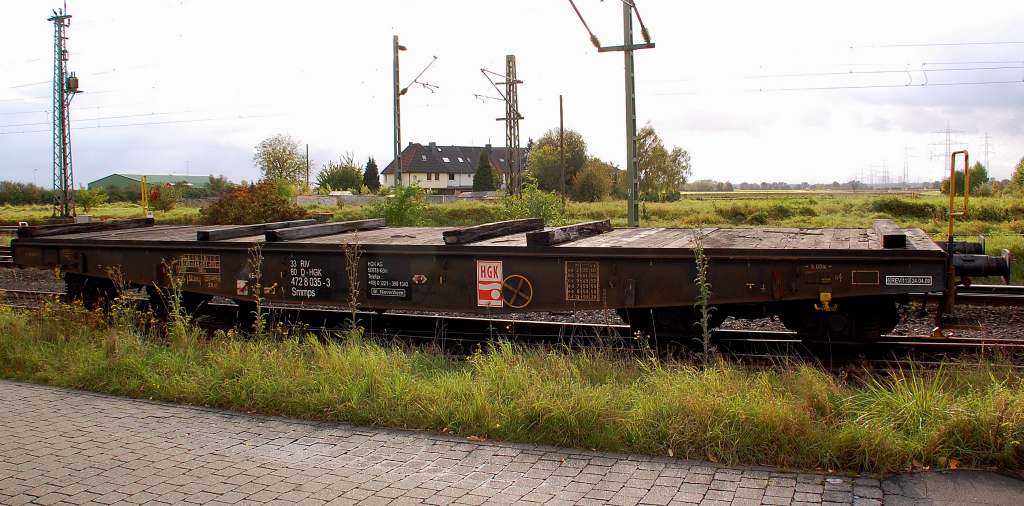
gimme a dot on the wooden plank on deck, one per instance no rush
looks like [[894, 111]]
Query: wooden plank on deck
[[81, 228], [217, 234], [292, 233], [491, 230], [567, 233]]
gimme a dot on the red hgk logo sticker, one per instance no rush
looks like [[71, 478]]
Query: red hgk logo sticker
[[488, 283]]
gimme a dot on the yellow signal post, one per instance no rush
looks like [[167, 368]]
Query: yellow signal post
[[145, 198]]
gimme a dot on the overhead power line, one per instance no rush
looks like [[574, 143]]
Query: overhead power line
[[941, 44], [1019, 66], [127, 116], [154, 123], [819, 88], [27, 85]]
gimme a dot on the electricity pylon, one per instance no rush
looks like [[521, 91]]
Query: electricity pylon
[[64, 89], [511, 119]]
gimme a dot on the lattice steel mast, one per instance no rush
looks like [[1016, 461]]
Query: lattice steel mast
[[64, 89], [512, 117]]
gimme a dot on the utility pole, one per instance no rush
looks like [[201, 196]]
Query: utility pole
[[561, 147], [949, 144], [906, 166], [64, 89], [987, 147], [511, 119], [398, 119], [627, 48]]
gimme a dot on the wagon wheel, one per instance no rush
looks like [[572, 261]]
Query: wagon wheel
[[516, 288]]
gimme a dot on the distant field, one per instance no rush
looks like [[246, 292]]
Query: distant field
[[816, 193], [775, 209], [37, 215]]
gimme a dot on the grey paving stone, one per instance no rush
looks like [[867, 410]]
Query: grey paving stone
[[745, 502], [749, 493], [718, 484], [861, 501], [719, 495], [868, 491], [68, 447], [837, 496], [810, 488]]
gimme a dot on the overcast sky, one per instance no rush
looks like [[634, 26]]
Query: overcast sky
[[755, 91]]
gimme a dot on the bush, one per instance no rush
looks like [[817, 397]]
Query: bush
[[89, 199], [779, 212], [533, 203], [759, 218], [402, 209], [247, 205], [897, 207], [592, 184], [163, 198]]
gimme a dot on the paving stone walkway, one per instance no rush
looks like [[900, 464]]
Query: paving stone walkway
[[61, 446]]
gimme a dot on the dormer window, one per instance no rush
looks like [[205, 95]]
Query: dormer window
[[446, 160], [425, 157], [460, 160]]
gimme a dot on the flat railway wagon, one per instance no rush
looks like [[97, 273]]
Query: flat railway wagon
[[838, 285]]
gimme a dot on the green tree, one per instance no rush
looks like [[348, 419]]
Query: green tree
[[593, 183], [1016, 183], [279, 158], [12, 193], [702, 185], [371, 176], [89, 199], [979, 180], [218, 185], [542, 166], [341, 175], [484, 179], [660, 170], [544, 161], [979, 177], [36, 195]]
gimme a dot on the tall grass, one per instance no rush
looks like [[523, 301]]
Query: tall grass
[[795, 415]]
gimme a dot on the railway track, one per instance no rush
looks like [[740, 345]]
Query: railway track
[[974, 295], [461, 334]]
